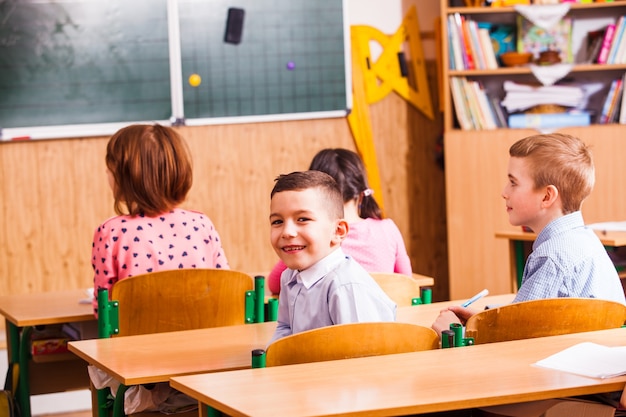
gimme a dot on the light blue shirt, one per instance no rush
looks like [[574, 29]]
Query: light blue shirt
[[334, 290], [568, 260]]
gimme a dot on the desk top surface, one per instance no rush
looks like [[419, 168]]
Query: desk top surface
[[157, 357], [52, 307], [608, 238], [419, 382]]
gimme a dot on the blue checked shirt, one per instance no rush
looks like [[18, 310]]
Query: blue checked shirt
[[568, 260]]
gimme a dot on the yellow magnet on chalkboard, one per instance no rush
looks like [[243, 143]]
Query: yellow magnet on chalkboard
[[195, 80]]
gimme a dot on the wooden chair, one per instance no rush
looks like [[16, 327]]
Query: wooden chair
[[352, 340], [547, 317], [166, 301], [181, 299], [402, 289]]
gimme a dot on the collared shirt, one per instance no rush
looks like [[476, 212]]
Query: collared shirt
[[334, 290], [568, 260]]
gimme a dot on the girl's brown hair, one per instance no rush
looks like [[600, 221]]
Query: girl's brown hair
[[151, 167]]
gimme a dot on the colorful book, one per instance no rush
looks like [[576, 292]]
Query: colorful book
[[609, 101], [615, 102], [454, 46], [609, 34], [460, 104], [487, 47], [464, 41], [477, 50], [549, 120], [617, 39]]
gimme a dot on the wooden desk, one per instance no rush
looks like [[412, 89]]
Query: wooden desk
[[419, 382], [518, 259], [156, 357], [425, 314], [21, 313]]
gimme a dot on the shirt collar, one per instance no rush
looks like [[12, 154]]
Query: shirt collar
[[308, 277], [569, 221]]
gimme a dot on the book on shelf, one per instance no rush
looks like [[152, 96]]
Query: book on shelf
[[487, 47], [610, 101], [498, 111], [456, 57], [622, 111], [594, 44], [532, 38], [472, 106], [606, 44], [461, 109], [487, 118], [617, 39], [464, 41], [474, 42], [549, 120]]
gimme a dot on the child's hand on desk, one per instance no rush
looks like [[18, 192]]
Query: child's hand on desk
[[463, 313], [453, 314]]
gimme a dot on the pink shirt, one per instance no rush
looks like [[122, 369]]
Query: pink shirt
[[124, 246], [375, 244]]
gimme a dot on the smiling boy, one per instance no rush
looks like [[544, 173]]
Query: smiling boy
[[549, 177], [321, 285]]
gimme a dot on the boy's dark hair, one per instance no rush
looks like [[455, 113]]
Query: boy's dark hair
[[151, 167], [348, 170], [303, 180], [561, 160]]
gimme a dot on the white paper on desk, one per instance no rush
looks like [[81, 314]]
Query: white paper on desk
[[609, 226], [588, 359]]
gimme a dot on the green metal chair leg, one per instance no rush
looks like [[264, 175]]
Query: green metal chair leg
[[118, 404]]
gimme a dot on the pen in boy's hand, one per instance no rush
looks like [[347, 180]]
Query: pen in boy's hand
[[476, 297]]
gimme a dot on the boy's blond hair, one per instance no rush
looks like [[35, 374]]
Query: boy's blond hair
[[561, 160]]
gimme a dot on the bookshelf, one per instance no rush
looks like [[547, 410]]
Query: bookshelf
[[476, 160], [492, 79]]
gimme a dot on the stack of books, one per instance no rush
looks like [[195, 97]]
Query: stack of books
[[470, 44], [475, 110], [613, 109]]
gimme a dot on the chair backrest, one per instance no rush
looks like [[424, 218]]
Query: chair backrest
[[399, 287], [353, 340], [181, 299], [546, 317]]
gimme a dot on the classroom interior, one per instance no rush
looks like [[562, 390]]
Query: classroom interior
[[445, 201]]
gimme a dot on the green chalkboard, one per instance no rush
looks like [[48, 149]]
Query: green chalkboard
[[73, 62], [291, 58], [90, 62]]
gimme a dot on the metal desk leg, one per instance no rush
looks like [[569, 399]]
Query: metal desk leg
[[23, 385]]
